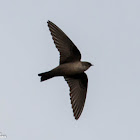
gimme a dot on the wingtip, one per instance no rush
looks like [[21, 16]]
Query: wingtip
[[76, 119], [76, 115], [48, 21]]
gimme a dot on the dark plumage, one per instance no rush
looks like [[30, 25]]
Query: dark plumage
[[71, 68]]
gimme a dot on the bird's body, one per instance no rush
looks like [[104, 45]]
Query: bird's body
[[67, 69], [71, 68]]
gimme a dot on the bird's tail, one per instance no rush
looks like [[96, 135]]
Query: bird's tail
[[45, 76]]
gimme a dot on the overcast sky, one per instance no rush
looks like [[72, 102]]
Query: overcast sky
[[107, 33]]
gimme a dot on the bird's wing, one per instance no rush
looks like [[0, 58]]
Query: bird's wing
[[78, 89], [68, 51]]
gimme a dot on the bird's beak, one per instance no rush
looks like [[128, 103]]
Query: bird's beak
[[92, 65]]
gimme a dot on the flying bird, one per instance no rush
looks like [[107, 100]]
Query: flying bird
[[70, 67]]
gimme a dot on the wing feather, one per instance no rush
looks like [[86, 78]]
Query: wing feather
[[68, 51], [78, 89]]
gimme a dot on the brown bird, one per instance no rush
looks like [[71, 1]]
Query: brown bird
[[71, 68]]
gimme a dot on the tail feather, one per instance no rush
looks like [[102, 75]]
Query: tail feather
[[45, 76]]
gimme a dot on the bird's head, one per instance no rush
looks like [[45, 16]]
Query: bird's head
[[86, 65]]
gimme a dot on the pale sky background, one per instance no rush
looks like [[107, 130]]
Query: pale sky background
[[107, 33]]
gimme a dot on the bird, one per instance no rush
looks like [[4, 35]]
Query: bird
[[70, 67]]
